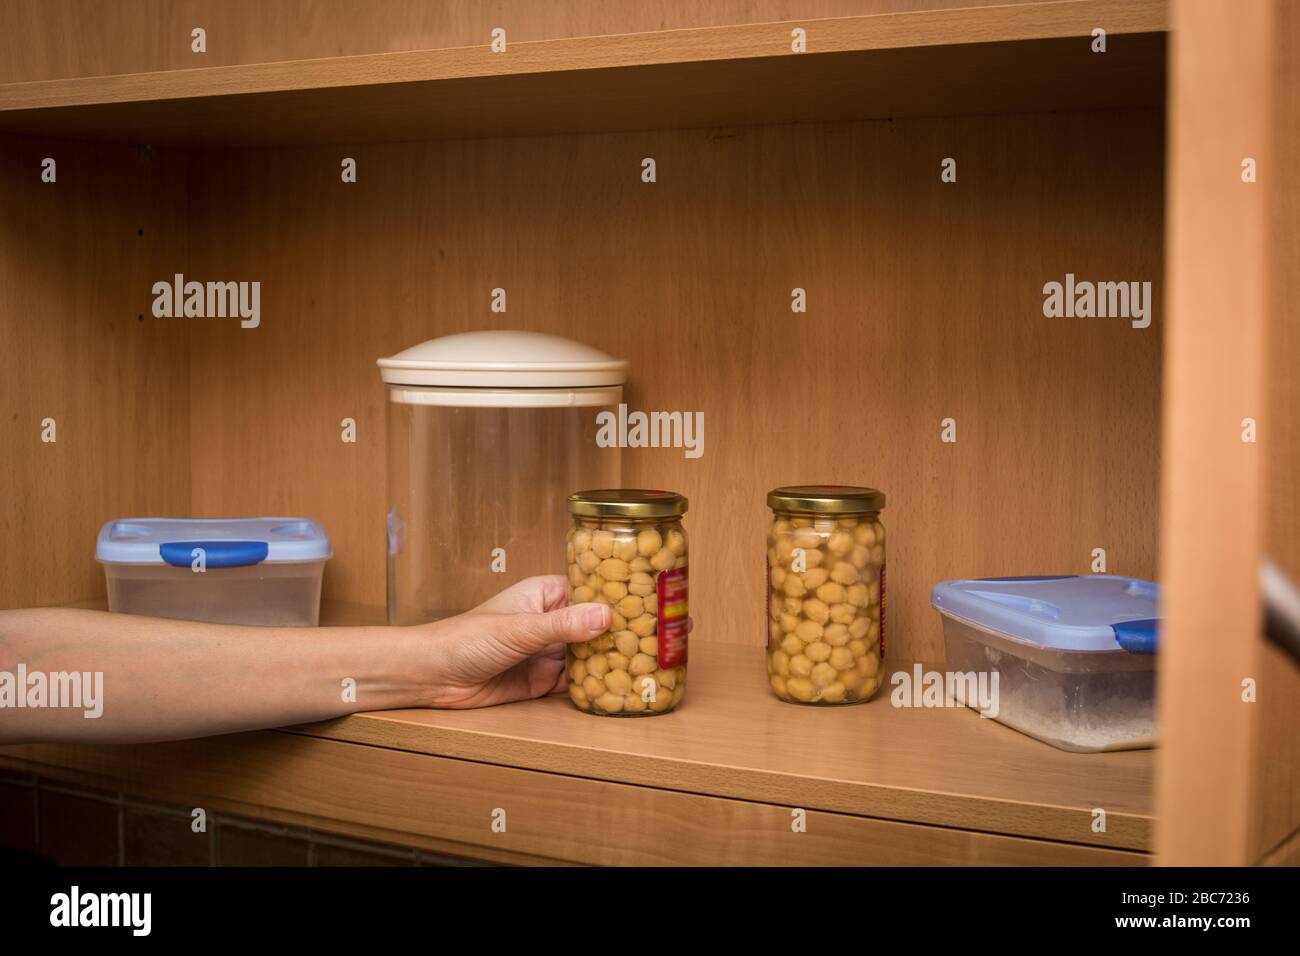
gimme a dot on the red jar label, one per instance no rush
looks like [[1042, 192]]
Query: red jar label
[[674, 617]]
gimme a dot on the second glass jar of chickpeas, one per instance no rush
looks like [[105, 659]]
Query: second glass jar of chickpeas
[[627, 549], [825, 593]]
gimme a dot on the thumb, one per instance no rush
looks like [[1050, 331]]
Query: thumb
[[529, 634]]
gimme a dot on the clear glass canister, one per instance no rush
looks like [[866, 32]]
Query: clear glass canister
[[486, 431], [627, 549], [825, 593]]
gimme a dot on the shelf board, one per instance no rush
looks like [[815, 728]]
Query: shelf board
[[732, 738], [1014, 58]]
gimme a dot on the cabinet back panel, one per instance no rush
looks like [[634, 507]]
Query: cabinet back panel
[[78, 345], [925, 302]]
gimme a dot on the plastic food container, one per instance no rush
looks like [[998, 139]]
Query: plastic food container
[[486, 432], [627, 549], [227, 571], [1075, 656], [825, 593]]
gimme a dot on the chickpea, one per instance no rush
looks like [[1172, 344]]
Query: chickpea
[[626, 642], [794, 587], [841, 658], [792, 645], [649, 645], [809, 631], [588, 562], [639, 565], [676, 542], [642, 664], [613, 591], [778, 685], [818, 651], [778, 662], [822, 674], [598, 666], [843, 613], [836, 635], [614, 569], [633, 704], [616, 661], [625, 549], [631, 607], [579, 696], [576, 577], [577, 671], [592, 686], [643, 626], [834, 693], [800, 688], [641, 584], [666, 679], [648, 543], [581, 540], [814, 578], [583, 594], [801, 665], [844, 573], [839, 543], [816, 610], [663, 560], [831, 593], [602, 542], [610, 702], [618, 682]]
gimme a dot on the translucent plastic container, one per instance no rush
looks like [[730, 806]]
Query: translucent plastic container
[[261, 571], [487, 431], [627, 549], [825, 594], [1074, 656]]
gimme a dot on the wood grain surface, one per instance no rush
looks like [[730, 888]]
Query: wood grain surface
[[1016, 58], [449, 806], [925, 302], [732, 738], [1215, 361], [78, 345]]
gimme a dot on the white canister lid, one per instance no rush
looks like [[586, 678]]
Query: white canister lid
[[503, 360]]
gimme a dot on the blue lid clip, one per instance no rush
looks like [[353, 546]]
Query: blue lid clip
[[217, 554], [1137, 637]]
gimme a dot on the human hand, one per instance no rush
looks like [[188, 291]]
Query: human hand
[[510, 647]]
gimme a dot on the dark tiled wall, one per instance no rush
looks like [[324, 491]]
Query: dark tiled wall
[[68, 825]]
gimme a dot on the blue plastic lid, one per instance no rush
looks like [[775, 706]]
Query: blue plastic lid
[[1100, 612], [226, 542]]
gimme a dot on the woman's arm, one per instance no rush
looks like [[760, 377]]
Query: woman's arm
[[169, 680]]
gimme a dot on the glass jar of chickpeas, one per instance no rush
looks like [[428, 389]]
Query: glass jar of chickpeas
[[627, 549], [825, 593]]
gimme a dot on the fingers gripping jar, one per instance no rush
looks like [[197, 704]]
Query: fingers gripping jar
[[627, 549], [825, 593]]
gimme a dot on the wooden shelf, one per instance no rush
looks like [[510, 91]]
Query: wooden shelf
[[1004, 59], [913, 774], [733, 739]]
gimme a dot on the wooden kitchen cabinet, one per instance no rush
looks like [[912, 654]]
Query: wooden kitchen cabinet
[[818, 170]]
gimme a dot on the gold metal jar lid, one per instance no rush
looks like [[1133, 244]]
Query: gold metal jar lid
[[825, 499], [627, 503]]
